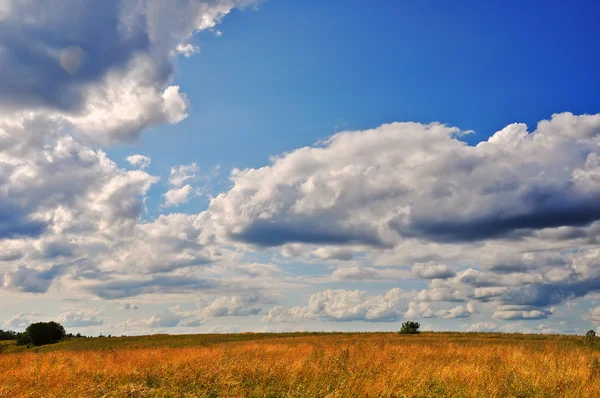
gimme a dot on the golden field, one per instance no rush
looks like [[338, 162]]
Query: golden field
[[306, 365]]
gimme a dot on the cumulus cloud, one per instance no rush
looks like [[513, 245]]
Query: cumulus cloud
[[410, 180], [30, 280], [108, 69], [345, 305], [220, 307], [22, 320], [67, 202], [139, 161], [77, 319], [231, 306], [432, 271], [514, 315], [177, 196], [424, 310]]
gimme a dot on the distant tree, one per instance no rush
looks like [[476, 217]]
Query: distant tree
[[590, 336], [42, 333], [410, 327], [24, 339], [8, 335]]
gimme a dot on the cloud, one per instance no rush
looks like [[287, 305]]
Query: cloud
[[22, 320], [521, 315], [182, 173], [139, 161], [177, 196], [424, 310], [432, 271], [31, 281], [593, 315], [77, 319], [220, 307], [417, 181], [108, 70], [118, 289], [231, 306], [344, 305], [167, 318], [368, 273]]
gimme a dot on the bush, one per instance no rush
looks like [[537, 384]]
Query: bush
[[42, 333], [410, 327]]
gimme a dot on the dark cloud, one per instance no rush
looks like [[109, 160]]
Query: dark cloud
[[538, 210], [29, 280], [270, 233], [62, 47], [16, 223]]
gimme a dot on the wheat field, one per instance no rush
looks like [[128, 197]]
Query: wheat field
[[307, 365]]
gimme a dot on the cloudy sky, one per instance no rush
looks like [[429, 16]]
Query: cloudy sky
[[191, 166]]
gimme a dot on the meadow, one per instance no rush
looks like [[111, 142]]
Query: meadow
[[306, 365]]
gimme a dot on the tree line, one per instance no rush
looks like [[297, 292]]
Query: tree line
[[39, 333]]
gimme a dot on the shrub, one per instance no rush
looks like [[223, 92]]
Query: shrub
[[42, 333], [410, 327]]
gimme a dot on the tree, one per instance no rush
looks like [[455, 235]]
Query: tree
[[42, 333], [8, 335], [410, 327], [590, 336]]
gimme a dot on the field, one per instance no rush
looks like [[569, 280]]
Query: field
[[306, 365]]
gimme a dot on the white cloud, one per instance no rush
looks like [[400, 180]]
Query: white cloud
[[22, 320], [345, 305], [220, 307], [231, 306], [408, 181], [432, 271], [511, 315], [177, 196], [78, 319], [424, 310], [139, 161], [182, 173]]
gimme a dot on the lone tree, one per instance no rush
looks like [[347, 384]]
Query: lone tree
[[410, 327], [42, 333], [590, 336]]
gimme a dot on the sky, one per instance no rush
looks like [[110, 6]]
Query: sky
[[223, 166]]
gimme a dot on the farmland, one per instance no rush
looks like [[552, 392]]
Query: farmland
[[306, 365]]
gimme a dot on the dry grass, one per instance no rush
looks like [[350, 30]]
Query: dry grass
[[328, 365]]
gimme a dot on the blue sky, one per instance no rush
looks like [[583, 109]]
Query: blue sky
[[294, 73], [345, 224]]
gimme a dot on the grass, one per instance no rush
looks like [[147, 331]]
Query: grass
[[306, 365]]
